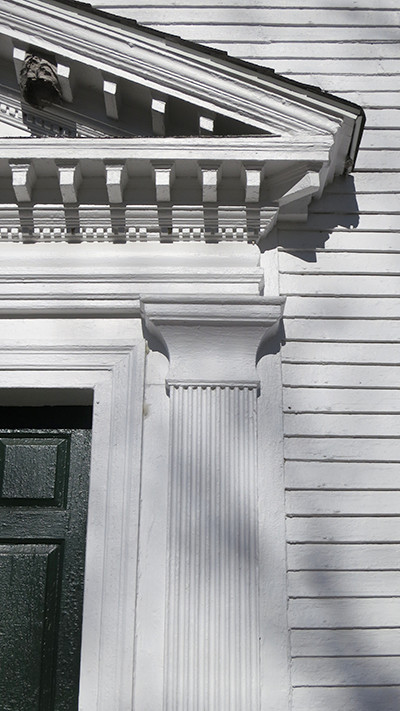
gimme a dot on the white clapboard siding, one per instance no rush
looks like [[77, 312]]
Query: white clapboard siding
[[381, 138], [377, 159], [329, 352], [123, 7], [346, 671], [288, 42], [334, 643], [328, 262], [322, 503], [326, 284], [264, 14], [132, 5], [366, 203], [363, 376], [339, 241], [336, 307], [304, 66], [383, 118], [350, 425], [371, 476], [319, 352], [309, 46], [343, 556], [343, 449], [355, 82], [344, 613], [341, 400], [349, 583], [366, 99], [341, 356], [366, 182], [346, 698], [343, 529], [344, 329]]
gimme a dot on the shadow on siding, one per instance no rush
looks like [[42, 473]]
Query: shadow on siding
[[337, 208]]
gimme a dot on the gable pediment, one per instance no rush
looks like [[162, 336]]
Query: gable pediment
[[196, 141], [130, 71]]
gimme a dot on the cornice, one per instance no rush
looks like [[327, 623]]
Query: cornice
[[210, 148], [210, 310], [169, 189], [106, 280]]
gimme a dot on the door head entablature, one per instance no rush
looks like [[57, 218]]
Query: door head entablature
[[244, 149]]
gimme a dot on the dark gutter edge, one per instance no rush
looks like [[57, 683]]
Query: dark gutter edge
[[128, 22]]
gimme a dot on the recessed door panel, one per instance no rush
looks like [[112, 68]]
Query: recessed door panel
[[44, 482], [33, 470], [29, 584]]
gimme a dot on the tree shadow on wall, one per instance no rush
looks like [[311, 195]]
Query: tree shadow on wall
[[343, 648], [337, 209]]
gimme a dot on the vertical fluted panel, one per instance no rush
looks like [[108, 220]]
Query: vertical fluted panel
[[211, 653]]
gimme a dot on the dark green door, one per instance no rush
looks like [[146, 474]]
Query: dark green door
[[44, 475]]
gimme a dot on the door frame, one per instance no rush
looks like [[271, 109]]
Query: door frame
[[61, 355]]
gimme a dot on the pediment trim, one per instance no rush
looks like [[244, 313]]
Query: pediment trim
[[171, 188], [209, 79]]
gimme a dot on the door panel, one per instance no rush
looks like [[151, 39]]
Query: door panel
[[29, 582], [44, 481], [33, 470]]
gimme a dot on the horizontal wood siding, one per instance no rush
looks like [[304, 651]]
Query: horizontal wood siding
[[341, 274]]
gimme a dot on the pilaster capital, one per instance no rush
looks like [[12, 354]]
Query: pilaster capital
[[212, 339]]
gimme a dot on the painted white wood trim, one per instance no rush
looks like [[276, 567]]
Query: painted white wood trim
[[105, 280], [110, 91], [64, 79], [274, 633], [23, 180], [158, 111], [215, 85], [305, 147], [212, 611], [70, 178], [152, 565], [115, 375], [116, 179], [212, 605], [212, 339]]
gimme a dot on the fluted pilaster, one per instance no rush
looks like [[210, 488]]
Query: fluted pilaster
[[211, 659], [211, 646]]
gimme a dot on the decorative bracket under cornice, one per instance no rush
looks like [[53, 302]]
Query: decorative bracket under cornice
[[157, 189]]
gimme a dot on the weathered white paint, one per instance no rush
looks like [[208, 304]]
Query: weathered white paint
[[351, 698], [343, 556], [355, 642], [349, 47], [107, 359], [212, 605], [317, 583]]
